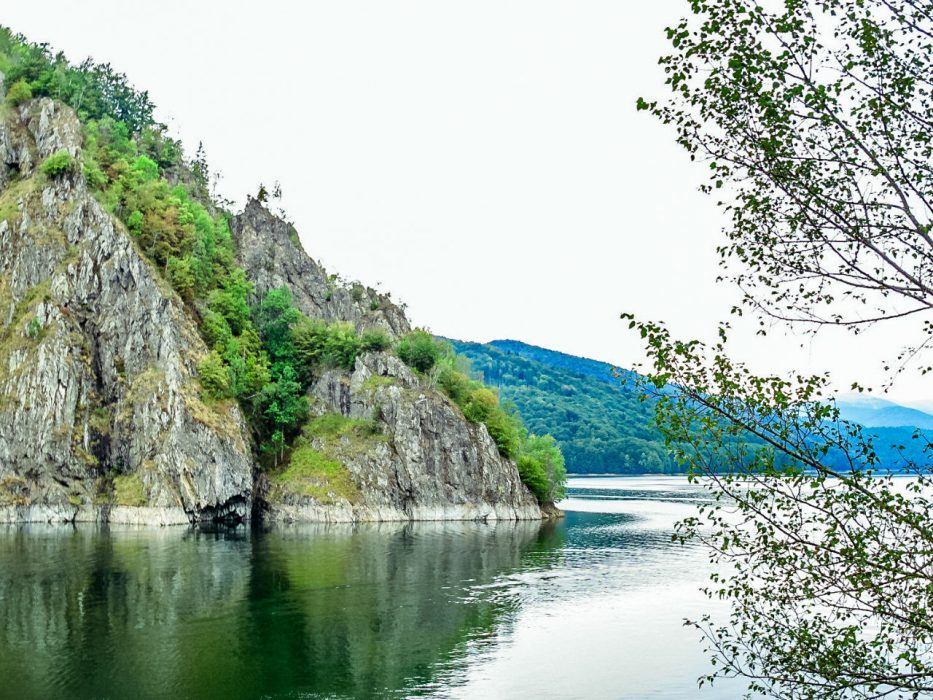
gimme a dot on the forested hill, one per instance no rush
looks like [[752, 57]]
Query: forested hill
[[600, 424], [602, 371]]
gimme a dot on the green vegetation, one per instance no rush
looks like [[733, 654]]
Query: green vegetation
[[94, 90], [335, 425], [128, 490], [311, 473], [34, 328], [419, 350], [316, 470], [374, 340], [334, 345], [19, 92], [58, 164], [600, 424], [541, 466], [541, 469]]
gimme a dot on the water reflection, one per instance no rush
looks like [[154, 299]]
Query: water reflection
[[321, 611], [591, 607]]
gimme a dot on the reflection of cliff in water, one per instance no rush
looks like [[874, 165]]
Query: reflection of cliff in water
[[373, 609], [342, 610]]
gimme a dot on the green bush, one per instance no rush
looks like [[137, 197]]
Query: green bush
[[310, 340], [374, 340], [456, 385], [420, 351], [214, 377], [58, 164], [18, 93], [134, 222], [342, 346], [181, 273], [541, 467], [321, 344], [34, 328]]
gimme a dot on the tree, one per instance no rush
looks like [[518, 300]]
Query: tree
[[541, 466], [420, 350], [201, 171], [275, 317], [819, 116], [814, 118]]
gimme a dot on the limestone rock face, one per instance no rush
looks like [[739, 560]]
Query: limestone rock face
[[267, 249], [429, 462], [101, 415], [100, 409]]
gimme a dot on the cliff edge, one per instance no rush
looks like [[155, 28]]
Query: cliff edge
[[103, 412]]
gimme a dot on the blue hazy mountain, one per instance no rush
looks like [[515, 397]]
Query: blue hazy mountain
[[603, 426], [874, 412]]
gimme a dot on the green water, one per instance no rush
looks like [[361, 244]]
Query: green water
[[588, 607]]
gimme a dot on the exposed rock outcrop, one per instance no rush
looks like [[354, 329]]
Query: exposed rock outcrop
[[100, 414], [268, 249], [433, 464], [427, 463]]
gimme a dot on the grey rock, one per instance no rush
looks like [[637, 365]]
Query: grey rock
[[430, 463], [268, 253], [98, 358]]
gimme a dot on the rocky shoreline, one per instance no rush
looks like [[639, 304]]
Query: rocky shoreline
[[101, 414]]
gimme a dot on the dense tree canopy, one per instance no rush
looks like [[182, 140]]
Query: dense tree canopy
[[94, 90], [600, 425]]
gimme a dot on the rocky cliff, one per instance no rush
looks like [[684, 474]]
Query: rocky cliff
[[269, 251], [423, 462], [100, 409], [102, 416]]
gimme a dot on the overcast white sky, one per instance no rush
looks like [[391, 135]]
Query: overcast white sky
[[482, 160]]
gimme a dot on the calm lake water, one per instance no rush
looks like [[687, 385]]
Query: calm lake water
[[591, 607]]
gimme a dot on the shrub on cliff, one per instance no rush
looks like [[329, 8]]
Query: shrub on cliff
[[419, 350], [18, 93], [320, 344], [374, 340], [213, 374], [58, 164], [541, 466]]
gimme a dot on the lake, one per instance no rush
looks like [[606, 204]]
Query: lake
[[589, 607]]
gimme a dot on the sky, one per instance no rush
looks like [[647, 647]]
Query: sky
[[482, 161]]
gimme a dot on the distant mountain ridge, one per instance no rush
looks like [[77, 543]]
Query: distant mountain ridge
[[602, 371], [603, 427], [875, 412]]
